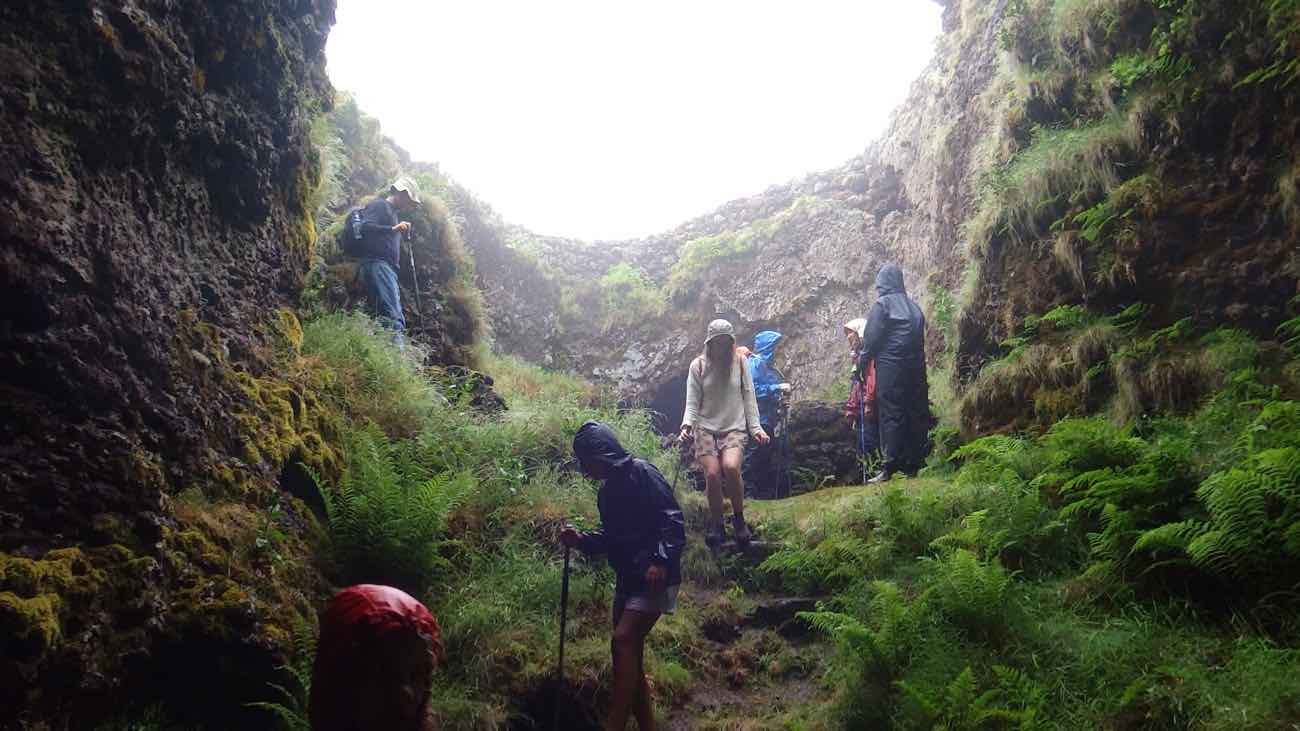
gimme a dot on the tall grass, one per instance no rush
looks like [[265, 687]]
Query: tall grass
[[373, 380], [462, 509], [1060, 167]]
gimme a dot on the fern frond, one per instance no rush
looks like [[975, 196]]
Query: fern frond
[[1171, 537]]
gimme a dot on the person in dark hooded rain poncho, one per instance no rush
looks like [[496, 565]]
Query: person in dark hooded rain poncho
[[894, 338], [642, 533]]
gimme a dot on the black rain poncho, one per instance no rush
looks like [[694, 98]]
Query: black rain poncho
[[640, 519], [895, 338]]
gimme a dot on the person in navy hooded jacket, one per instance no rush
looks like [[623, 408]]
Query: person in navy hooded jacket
[[642, 533], [894, 338]]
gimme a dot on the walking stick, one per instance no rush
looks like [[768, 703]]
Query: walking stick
[[564, 618], [786, 457], [677, 468], [862, 435], [415, 278]]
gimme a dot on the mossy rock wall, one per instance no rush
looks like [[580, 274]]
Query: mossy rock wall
[[155, 193], [1135, 162]]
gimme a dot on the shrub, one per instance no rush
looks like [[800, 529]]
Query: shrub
[[630, 297], [969, 593], [388, 514], [831, 565]]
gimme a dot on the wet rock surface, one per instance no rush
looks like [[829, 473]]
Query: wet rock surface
[[823, 446], [153, 222]]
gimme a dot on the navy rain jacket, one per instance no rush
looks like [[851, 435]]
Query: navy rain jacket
[[640, 519], [375, 230], [895, 331]]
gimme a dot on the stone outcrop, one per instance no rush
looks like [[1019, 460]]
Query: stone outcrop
[[823, 446]]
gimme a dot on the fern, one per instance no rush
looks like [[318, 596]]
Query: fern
[[832, 564], [1248, 534], [970, 594], [1289, 331], [388, 514], [1015, 700], [291, 710], [879, 650], [992, 460]]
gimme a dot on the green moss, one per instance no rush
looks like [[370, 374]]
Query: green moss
[[28, 626], [61, 571], [201, 550], [289, 328], [1052, 404], [285, 421]]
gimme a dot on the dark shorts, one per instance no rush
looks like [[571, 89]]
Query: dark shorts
[[665, 602]]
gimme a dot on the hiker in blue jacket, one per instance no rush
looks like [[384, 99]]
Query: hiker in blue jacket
[[769, 390], [378, 232], [642, 533], [894, 337]]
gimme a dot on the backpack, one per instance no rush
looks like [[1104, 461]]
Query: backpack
[[350, 241]]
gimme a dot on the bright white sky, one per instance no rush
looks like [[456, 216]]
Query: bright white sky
[[606, 119]]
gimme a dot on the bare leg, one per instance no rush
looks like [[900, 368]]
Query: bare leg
[[731, 459], [630, 687], [713, 487]]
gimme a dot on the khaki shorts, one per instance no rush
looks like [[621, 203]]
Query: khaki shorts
[[713, 444]]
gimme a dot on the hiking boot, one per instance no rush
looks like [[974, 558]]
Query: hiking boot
[[881, 476], [743, 535], [715, 537]]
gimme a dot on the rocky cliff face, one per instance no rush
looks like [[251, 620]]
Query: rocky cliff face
[[1058, 164], [799, 258], [156, 223]]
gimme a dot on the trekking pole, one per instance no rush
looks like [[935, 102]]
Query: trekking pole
[[862, 435], [415, 278], [564, 618], [786, 457], [677, 467]]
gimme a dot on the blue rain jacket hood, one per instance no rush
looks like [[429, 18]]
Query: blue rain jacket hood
[[767, 382], [765, 345], [640, 521]]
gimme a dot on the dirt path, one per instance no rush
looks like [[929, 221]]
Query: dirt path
[[758, 666]]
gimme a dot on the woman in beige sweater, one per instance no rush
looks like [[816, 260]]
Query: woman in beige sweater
[[720, 412]]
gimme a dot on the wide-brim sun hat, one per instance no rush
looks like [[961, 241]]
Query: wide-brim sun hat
[[407, 186], [720, 328]]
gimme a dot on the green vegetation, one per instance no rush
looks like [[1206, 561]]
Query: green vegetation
[[1060, 169], [1098, 576], [630, 297], [698, 256], [1071, 361], [462, 509]]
